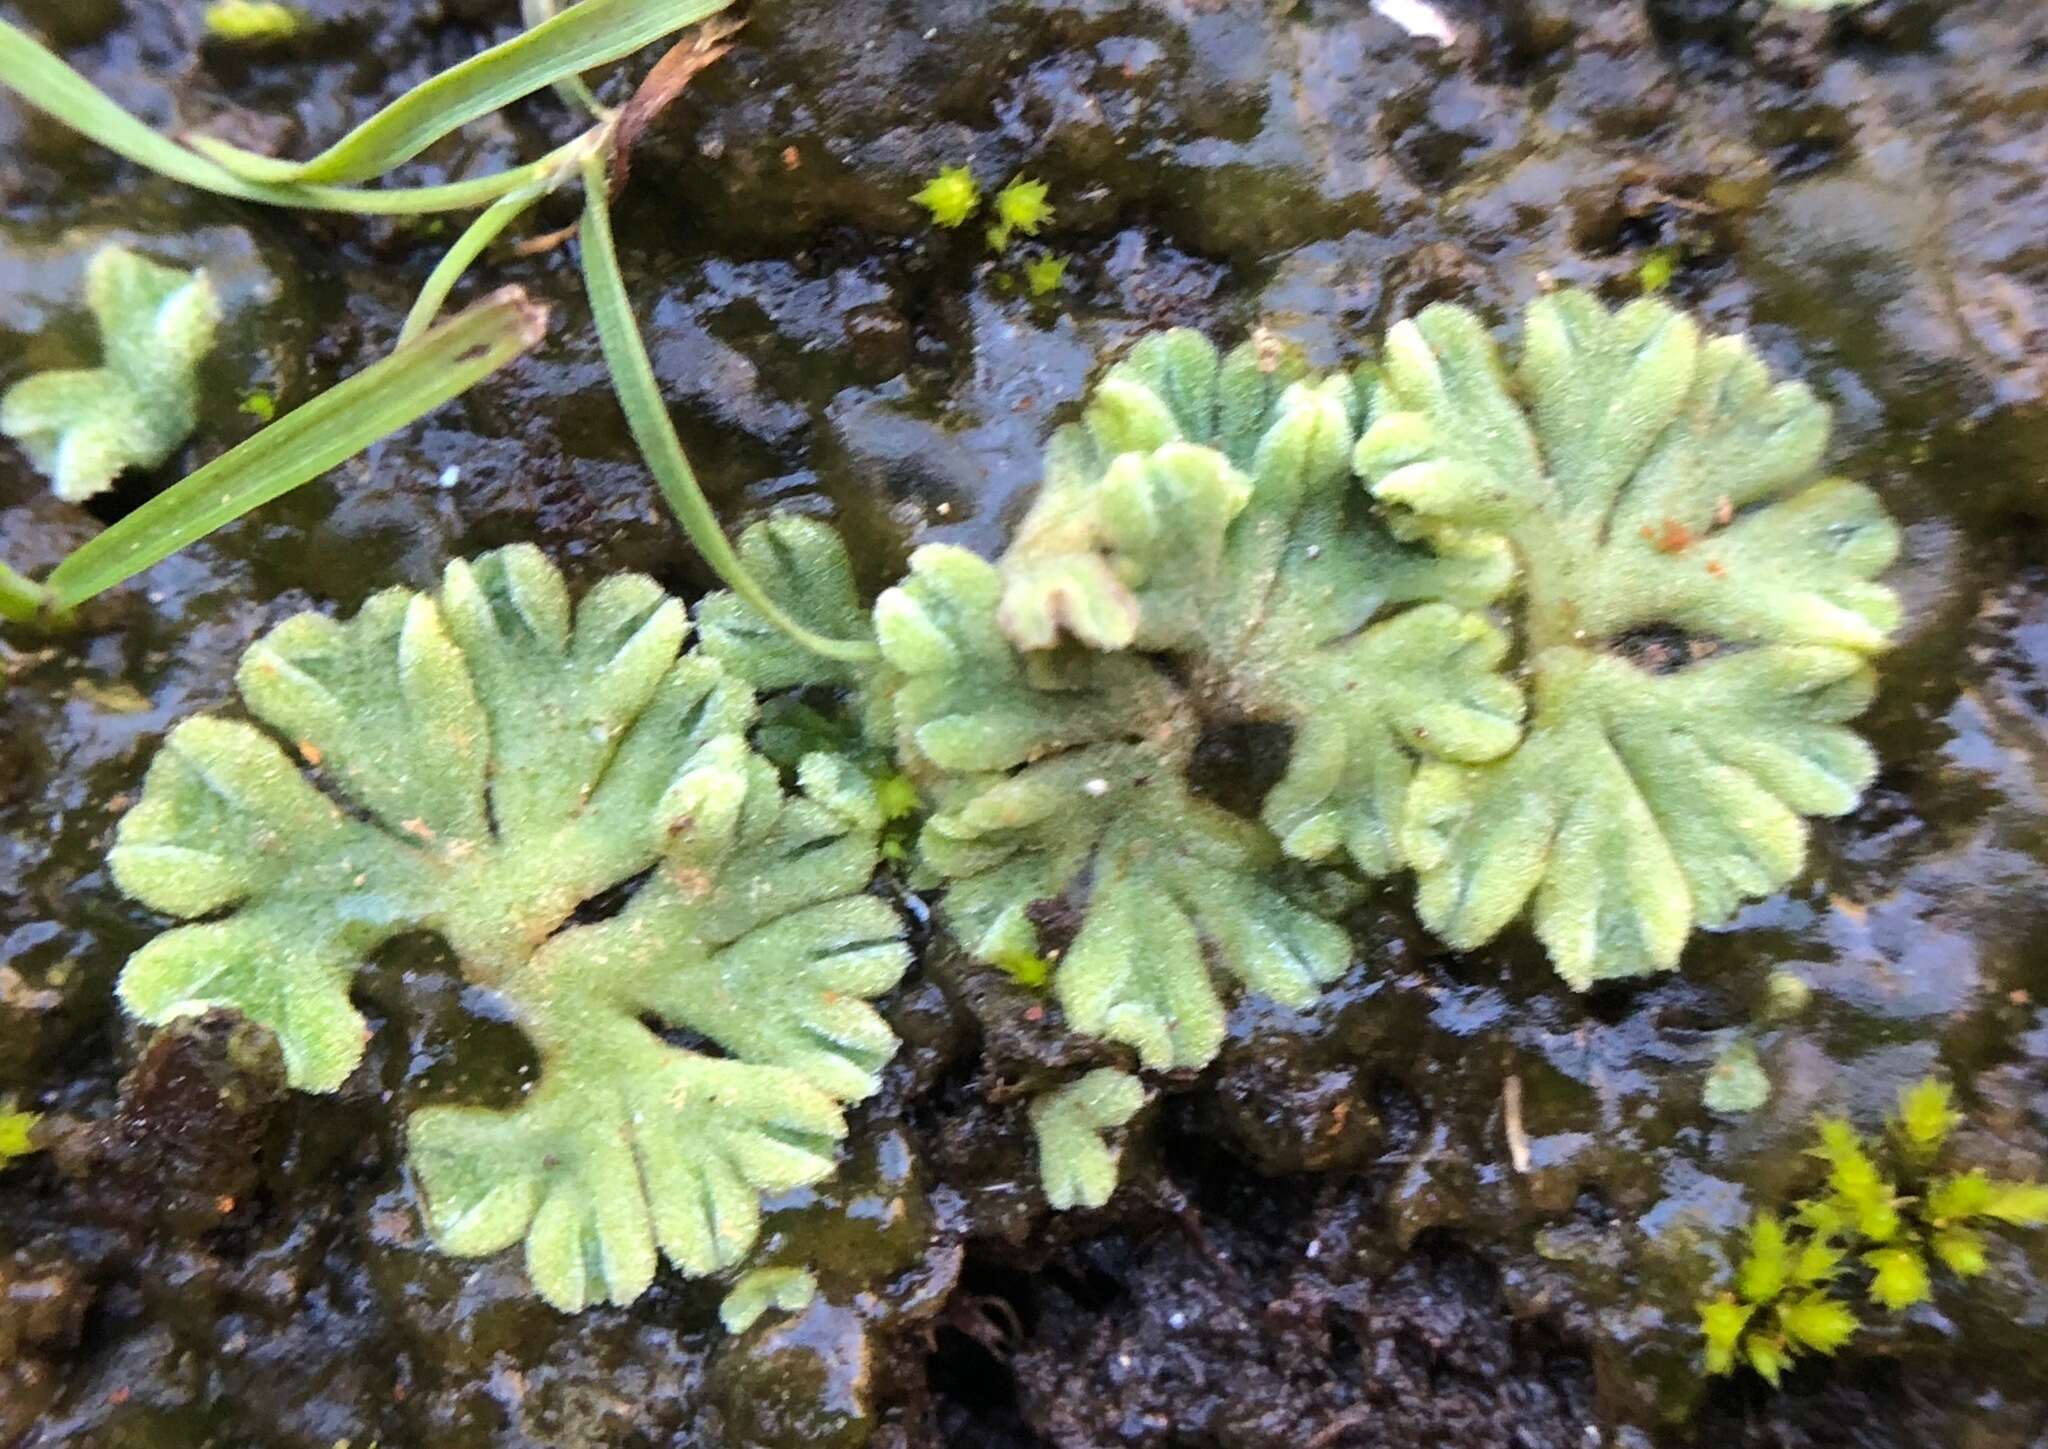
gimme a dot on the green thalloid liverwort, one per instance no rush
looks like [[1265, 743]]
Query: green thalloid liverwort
[[494, 758], [1697, 609], [1629, 526], [1202, 516], [1692, 609], [1378, 564], [82, 428]]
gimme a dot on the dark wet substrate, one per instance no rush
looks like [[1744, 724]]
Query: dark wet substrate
[[1323, 1242]]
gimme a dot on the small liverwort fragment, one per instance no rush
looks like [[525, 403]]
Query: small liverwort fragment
[[1737, 1083], [1053, 779], [1074, 1162], [83, 428], [1786, 995], [789, 1290], [484, 761], [804, 567]]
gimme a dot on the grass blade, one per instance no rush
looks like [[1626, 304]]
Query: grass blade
[[468, 247], [411, 200], [21, 599], [582, 37], [647, 416], [47, 83], [573, 91], [303, 444]]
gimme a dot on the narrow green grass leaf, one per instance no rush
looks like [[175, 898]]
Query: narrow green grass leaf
[[468, 247], [647, 416], [304, 444], [582, 37], [47, 83], [411, 200], [21, 599], [572, 91]]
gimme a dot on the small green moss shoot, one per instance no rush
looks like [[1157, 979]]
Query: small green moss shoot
[[251, 22], [1657, 270], [1884, 1215], [1045, 275], [260, 406], [1021, 210], [902, 812], [951, 197], [1026, 968], [896, 796], [16, 1135]]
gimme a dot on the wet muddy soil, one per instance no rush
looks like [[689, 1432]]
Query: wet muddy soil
[[1453, 1205]]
